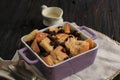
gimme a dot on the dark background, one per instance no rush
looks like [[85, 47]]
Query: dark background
[[19, 17]]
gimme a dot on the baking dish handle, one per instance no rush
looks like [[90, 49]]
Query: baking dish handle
[[94, 36], [22, 51]]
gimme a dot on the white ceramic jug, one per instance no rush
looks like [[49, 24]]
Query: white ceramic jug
[[51, 15]]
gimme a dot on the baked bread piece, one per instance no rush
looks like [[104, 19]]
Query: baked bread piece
[[30, 36], [34, 46], [66, 28], [76, 46], [61, 37], [48, 60], [91, 43], [58, 54], [46, 44], [40, 36], [52, 29], [84, 46]]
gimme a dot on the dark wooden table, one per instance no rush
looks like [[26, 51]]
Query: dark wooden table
[[19, 17]]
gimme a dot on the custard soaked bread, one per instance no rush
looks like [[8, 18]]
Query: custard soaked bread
[[59, 54], [55, 44], [45, 43], [76, 46], [30, 36]]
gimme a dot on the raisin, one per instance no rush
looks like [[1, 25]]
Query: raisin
[[61, 31], [51, 38], [73, 32], [30, 42], [52, 43], [70, 36], [66, 58], [63, 50], [45, 54], [55, 45], [66, 39], [79, 38], [77, 34], [62, 44], [42, 50], [52, 33], [68, 51]]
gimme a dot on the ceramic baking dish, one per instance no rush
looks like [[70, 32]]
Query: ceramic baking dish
[[66, 67]]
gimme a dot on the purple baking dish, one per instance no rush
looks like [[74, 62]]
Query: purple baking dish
[[66, 67]]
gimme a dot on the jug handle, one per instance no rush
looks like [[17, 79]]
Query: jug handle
[[44, 7]]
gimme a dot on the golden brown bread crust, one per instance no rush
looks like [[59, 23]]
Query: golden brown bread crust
[[52, 29], [84, 46], [48, 60], [30, 36], [91, 43], [66, 28], [61, 37], [58, 55], [35, 47], [76, 46], [45, 43], [40, 36]]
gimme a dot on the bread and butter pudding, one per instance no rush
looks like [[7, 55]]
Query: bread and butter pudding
[[56, 44]]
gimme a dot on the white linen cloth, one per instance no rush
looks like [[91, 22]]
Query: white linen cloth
[[106, 63]]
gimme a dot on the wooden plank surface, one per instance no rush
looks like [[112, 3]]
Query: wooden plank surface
[[19, 17]]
